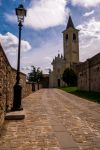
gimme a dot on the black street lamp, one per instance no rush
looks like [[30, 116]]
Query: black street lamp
[[21, 13]]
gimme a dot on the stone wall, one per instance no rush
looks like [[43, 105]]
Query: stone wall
[[37, 86], [7, 81], [89, 74], [28, 89]]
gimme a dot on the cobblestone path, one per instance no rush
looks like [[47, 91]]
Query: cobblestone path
[[54, 120]]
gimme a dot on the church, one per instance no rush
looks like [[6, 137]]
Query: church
[[70, 55]]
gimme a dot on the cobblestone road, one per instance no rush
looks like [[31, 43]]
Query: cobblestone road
[[54, 120]]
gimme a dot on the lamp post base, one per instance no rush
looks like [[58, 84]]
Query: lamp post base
[[15, 115], [17, 98], [16, 109]]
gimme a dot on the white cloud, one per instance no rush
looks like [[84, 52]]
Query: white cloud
[[46, 13], [26, 68], [89, 39], [48, 58], [90, 28], [10, 43], [89, 13], [86, 3], [43, 56], [39, 57], [43, 14]]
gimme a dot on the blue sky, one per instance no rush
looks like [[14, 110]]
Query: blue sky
[[42, 30]]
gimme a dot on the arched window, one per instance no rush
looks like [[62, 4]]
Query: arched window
[[74, 36]]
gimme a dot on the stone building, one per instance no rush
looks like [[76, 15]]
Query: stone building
[[45, 81], [89, 74], [70, 56]]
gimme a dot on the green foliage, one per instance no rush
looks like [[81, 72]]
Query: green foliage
[[70, 89], [70, 77], [93, 96], [35, 75]]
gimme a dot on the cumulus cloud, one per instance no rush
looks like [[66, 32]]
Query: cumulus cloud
[[10, 43], [39, 57], [90, 28], [89, 39], [43, 56], [86, 3], [43, 14], [87, 14], [46, 13]]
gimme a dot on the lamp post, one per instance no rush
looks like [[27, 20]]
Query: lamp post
[[21, 13]]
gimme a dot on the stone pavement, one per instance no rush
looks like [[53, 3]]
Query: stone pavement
[[54, 120]]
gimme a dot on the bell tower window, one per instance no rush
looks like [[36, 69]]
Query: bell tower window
[[74, 37]]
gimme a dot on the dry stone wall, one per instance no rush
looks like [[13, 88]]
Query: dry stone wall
[[7, 81]]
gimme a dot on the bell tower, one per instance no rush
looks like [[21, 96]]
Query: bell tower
[[71, 44]]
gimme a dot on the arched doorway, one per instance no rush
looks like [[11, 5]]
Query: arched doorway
[[58, 82]]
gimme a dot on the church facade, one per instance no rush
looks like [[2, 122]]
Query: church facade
[[70, 55]]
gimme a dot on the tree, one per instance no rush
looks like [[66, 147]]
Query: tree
[[70, 77], [35, 75]]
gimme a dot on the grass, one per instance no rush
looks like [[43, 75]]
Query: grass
[[92, 96]]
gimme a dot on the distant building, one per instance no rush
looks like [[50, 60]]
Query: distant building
[[70, 57], [45, 81]]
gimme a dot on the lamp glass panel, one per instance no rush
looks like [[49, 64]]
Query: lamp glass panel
[[21, 12]]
